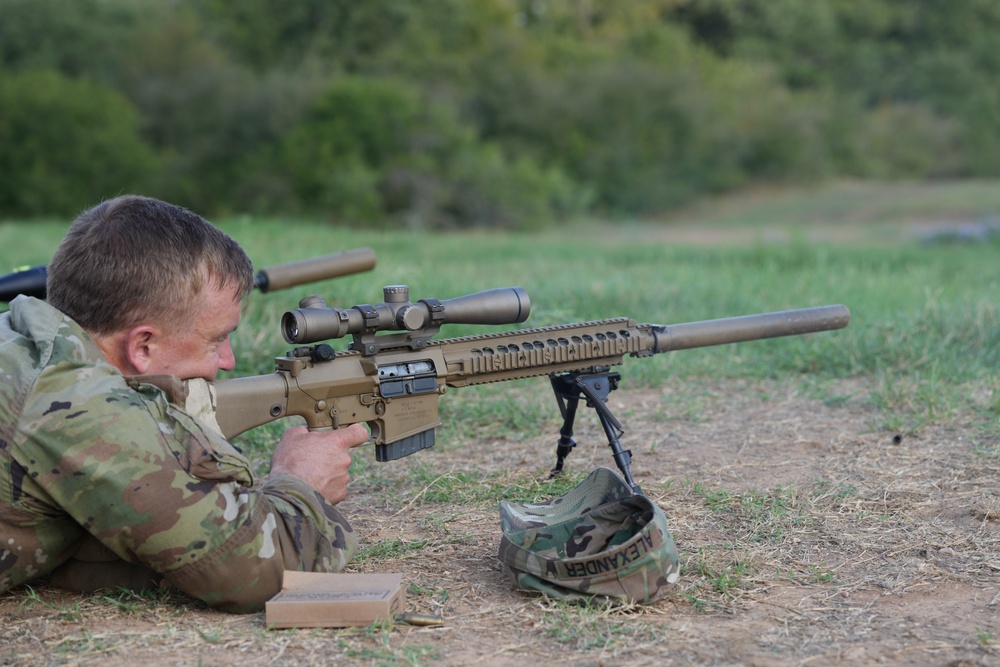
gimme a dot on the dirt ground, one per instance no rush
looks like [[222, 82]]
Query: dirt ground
[[807, 535]]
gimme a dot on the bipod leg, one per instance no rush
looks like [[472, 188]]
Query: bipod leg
[[568, 398], [595, 386]]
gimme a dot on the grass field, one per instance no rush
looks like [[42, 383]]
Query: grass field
[[925, 317], [806, 479]]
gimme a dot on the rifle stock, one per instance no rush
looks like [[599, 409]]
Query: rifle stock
[[395, 388]]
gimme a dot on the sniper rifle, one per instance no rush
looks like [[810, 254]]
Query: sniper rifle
[[393, 381]]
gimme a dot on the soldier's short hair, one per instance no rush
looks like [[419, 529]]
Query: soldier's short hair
[[135, 259]]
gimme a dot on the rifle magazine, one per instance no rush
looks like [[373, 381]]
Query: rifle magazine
[[410, 445]]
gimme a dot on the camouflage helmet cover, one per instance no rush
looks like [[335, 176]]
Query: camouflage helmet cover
[[598, 539]]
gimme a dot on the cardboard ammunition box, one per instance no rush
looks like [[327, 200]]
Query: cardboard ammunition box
[[322, 600]]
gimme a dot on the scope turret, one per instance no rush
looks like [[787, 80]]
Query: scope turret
[[314, 322]]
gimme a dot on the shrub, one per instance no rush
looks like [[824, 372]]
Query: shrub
[[66, 144], [377, 151]]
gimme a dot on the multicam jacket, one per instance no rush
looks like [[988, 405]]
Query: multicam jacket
[[83, 453]]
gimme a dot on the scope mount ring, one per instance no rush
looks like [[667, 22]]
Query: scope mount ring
[[370, 344]]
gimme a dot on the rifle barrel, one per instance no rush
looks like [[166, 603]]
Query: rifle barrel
[[31, 281], [751, 327], [283, 276]]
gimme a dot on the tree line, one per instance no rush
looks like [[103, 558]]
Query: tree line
[[497, 113]]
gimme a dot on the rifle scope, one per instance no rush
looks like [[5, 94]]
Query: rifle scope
[[314, 322]]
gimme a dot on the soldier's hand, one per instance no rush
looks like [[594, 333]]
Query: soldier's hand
[[320, 458]]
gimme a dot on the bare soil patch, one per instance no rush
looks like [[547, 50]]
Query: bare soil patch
[[807, 536]]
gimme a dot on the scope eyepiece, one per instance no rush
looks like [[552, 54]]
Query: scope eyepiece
[[289, 329]]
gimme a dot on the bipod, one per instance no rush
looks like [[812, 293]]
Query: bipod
[[594, 384]]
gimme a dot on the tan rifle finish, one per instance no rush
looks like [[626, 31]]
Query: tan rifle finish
[[396, 391]]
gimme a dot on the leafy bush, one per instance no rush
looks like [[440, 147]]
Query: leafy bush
[[648, 136], [65, 145], [377, 151], [504, 113]]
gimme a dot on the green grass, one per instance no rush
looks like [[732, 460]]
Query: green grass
[[594, 627], [923, 340], [870, 203], [925, 318], [394, 549], [916, 310], [474, 488]]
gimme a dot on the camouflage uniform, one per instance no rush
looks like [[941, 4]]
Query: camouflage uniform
[[85, 455], [597, 539]]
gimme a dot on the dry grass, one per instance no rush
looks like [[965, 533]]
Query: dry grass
[[806, 537]]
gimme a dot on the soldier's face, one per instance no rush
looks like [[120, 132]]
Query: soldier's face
[[201, 348]]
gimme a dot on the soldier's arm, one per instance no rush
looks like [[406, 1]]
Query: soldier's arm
[[156, 487]]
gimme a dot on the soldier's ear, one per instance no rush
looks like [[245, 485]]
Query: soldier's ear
[[140, 345]]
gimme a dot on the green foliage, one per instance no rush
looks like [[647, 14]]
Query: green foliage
[[219, 124], [79, 38], [508, 113], [66, 142], [925, 71], [375, 150], [341, 33]]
